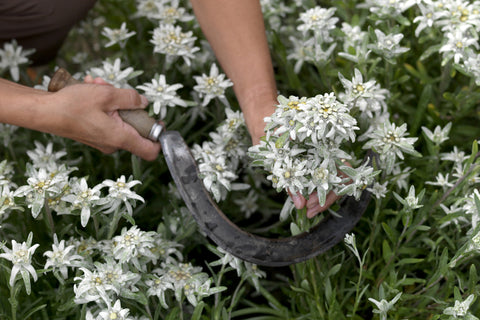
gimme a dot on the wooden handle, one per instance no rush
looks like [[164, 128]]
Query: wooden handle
[[137, 118]]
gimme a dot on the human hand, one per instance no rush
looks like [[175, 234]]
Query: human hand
[[88, 113], [313, 204]]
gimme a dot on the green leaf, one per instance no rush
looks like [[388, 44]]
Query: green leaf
[[425, 99], [386, 251], [197, 313], [282, 140], [409, 261]]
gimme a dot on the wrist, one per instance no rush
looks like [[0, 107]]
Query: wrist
[[259, 102]]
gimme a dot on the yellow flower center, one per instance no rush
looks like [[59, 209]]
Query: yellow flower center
[[113, 315]]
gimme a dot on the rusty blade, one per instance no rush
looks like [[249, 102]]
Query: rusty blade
[[253, 248]]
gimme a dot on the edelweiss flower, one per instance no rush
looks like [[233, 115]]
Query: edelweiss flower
[[119, 192], [172, 41], [212, 86], [378, 190], [162, 95], [84, 198], [7, 202], [216, 173], [410, 202], [112, 73], [388, 8], [438, 135], [458, 45], [367, 96], [460, 309], [12, 56], [383, 306], [189, 281], [42, 185], [117, 35], [320, 21], [388, 45], [61, 257], [133, 244], [21, 257], [390, 142], [430, 14], [115, 312]]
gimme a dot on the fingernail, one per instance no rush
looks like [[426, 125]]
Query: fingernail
[[144, 100]]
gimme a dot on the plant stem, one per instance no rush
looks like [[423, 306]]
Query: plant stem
[[114, 223], [13, 301]]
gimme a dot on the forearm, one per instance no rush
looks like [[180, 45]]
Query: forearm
[[19, 105], [236, 32]]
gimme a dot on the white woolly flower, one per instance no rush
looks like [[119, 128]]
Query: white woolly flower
[[158, 286], [7, 201], [84, 198], [441, 181], [61, 257], [119, 192], [43, 156], [189, 281], [248, 204], [133, 244], [460, 309], [430, 14], [388, 45], [113, 74], [379, 190], [390, 142], [458, 45], [115, 312], [117, 35], [320, 21], [12, 56], [383, 306], [216, 173], [439, 134], [162, 95], [90, 288], [212, 85], [172, 41], [42, 185], [21, 257], [411, 201], [388, 8], [367, 96]]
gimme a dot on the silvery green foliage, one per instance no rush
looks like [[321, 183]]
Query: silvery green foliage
[[302, 149]]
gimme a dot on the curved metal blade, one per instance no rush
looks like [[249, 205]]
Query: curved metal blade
[[259, 250]]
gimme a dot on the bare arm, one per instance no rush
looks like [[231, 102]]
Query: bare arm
[[236, 32], [86, 113]]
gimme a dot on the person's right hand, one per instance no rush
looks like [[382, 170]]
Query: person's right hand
[[88, 113]]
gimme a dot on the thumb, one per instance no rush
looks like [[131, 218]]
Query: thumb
[[128, 99]]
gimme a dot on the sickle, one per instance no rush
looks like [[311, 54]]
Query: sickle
[[211, 220]]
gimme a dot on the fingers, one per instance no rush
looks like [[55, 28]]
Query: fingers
[[314, 207], [297, 199], [130, 140]]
